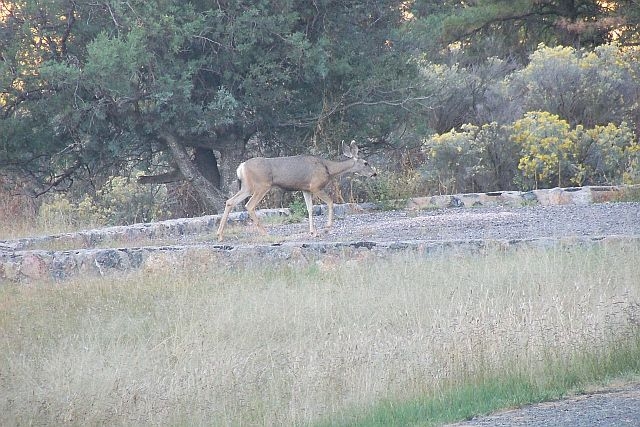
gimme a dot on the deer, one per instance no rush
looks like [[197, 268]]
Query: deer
[[306, 173]]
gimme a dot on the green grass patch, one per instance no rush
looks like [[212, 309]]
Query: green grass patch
[[481, 397]]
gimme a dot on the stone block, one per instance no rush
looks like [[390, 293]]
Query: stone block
[[34, 266]]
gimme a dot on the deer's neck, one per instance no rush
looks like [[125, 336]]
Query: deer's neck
[[338, 168]]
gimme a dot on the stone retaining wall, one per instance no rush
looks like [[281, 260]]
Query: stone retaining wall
[[555, 196], [28, 259], [34, 265]]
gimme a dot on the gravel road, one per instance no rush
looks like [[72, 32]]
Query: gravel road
[[613, 407], [508, 223]]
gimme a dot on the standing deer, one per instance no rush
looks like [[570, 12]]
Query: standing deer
[[308, 174]]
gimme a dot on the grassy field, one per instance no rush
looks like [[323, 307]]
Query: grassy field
[[404, 340]]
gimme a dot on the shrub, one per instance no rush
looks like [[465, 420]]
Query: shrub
[[608, 154], [59, 213], [453, 158], [499, 161], [389, 187], [120, 201], [474, 159], [583, 88], [548, 150], [124, 201], [554, 155], [452, 88], [539, 150]]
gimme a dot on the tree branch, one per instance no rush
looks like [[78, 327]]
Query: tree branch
[[163, 178]]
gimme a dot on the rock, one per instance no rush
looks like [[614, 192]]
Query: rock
[[162, 262], [9, 269], [34, 266]]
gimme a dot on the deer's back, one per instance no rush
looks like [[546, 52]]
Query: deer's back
[[307, 173]]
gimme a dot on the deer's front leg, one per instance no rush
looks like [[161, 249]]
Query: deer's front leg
[[308, 200]]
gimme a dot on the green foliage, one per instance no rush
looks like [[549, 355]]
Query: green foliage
[[587, 88], [474, 159], [514, 28], [539, 150], [119, 202], [298, 208], [124, 201], [103, 81], [391, 189], [113, 64], [86, 88], [454, 158], [60, 214], [453, 89], [609, 154]]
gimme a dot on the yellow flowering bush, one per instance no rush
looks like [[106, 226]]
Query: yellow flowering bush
[[454, 158], [553, 154], [608, 153], [548, 150], [540, 150]]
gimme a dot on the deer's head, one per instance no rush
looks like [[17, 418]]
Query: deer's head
[[361, 166]]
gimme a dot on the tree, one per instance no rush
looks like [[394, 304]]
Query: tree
[[94, 89], [589, 88], [460, 95], [513, 28]]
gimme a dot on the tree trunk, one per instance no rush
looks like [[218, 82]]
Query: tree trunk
[[205, 188], [207, 164]]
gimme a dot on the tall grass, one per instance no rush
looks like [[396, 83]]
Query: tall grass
[[348, 342]]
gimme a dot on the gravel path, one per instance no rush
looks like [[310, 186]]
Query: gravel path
[[607, 408], [508, 223]]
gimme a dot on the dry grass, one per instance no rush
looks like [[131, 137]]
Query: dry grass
[[289, 345]]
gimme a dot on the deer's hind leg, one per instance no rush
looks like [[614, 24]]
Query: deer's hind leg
[[327, 199], [229, 205], [257, 196]]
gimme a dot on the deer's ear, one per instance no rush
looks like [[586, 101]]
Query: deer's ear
[[350, 150], [354, 148], [346, 150]]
